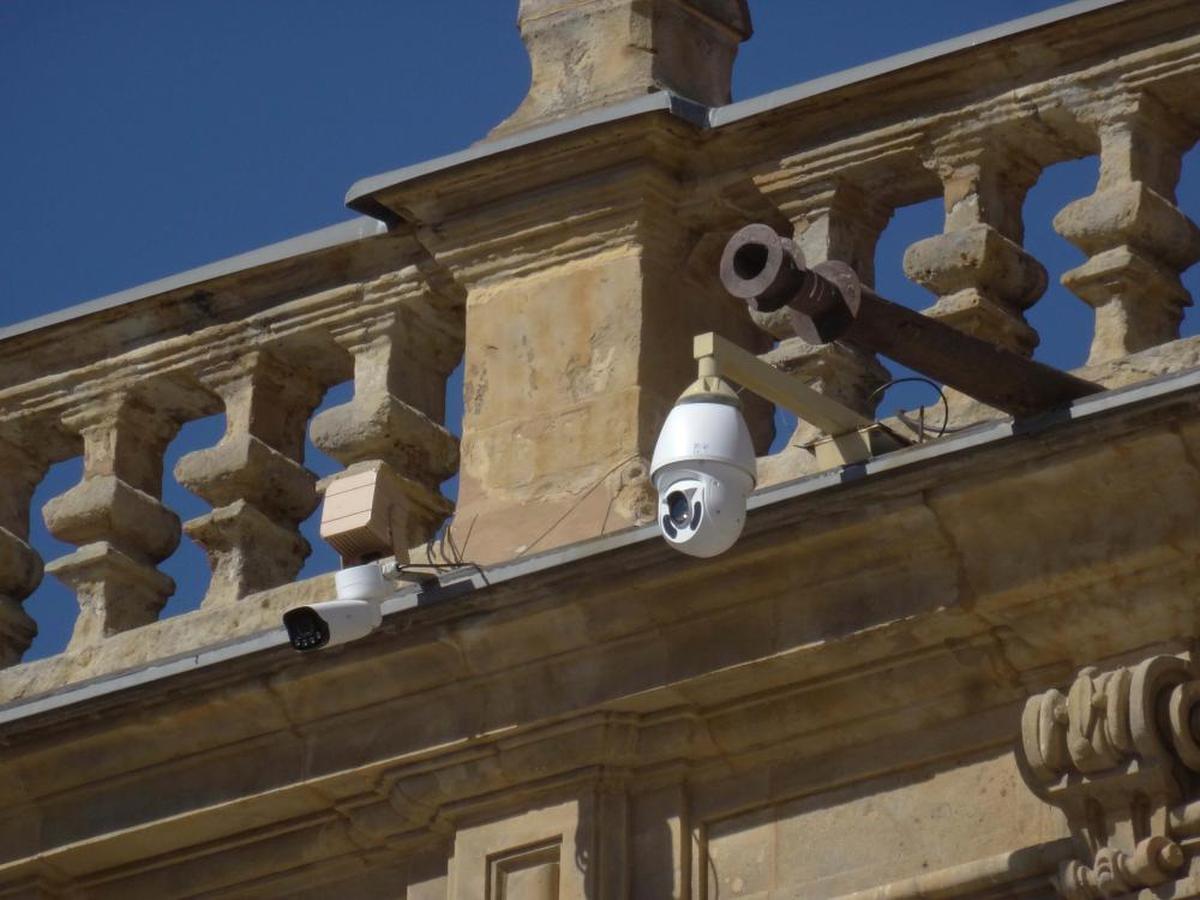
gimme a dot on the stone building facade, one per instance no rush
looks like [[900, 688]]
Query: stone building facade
[[960, 670]]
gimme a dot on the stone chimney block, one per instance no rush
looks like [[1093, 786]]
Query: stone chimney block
[[592, 53]]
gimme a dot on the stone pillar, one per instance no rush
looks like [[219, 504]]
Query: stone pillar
[[116, 517], [589, 53], [20, 564], [255, 477], [395, 419], [1137, 239], [579, 341], [982, 276]]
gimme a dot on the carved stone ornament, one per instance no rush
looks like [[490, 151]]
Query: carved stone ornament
[[1118, 754]]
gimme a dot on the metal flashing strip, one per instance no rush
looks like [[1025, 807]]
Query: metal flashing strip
[[406, 598], [467, 580], [347, 232], [724, 115], [664, 101], [83, 691]]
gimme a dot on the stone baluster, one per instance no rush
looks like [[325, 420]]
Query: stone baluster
[[20, 564], [116, 517], [982, 276], [1137, 239], [394, 421], [254, 477], [836, 220]]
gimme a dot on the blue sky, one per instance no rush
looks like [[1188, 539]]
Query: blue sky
[[143, 137]]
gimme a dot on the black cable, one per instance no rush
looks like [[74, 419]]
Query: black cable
[[460, 555], [574, 506], [454, 562], [933, 384], [950, 429]]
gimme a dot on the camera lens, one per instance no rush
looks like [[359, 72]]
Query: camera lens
[[678, 508], [306, 630]]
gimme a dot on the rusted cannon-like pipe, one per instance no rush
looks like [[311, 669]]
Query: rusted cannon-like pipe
[[828, 303]]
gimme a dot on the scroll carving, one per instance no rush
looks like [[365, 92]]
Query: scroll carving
[[1117, 753]]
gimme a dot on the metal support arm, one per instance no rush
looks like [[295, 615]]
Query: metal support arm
[[853, 437]]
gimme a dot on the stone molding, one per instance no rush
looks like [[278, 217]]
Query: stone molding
[[1119, 754], [623, 725]]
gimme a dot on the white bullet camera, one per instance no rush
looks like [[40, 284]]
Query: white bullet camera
[[354, 614], [703, 469]]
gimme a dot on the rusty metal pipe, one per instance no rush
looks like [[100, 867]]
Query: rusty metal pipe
[[828, 303]]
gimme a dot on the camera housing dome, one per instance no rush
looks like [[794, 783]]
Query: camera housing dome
[[354, 614], [703, 469]]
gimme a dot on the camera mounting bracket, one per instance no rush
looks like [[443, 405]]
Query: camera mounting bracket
[[852, 437]]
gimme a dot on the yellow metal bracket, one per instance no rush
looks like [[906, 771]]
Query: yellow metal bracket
[[852, 437]]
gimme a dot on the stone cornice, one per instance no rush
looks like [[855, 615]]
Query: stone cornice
[[647, 563], [556, 162]]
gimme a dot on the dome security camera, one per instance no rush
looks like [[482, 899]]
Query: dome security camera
[[703, 469], [354, 614]]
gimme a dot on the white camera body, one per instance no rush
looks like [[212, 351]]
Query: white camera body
[[354, 614], [703, 469]]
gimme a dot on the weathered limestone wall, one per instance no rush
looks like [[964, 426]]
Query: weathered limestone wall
[[877, 831], [845, 719]]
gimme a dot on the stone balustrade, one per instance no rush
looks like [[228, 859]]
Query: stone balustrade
[[978, 130], [828, 709], [261, 343], [576, 309]]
